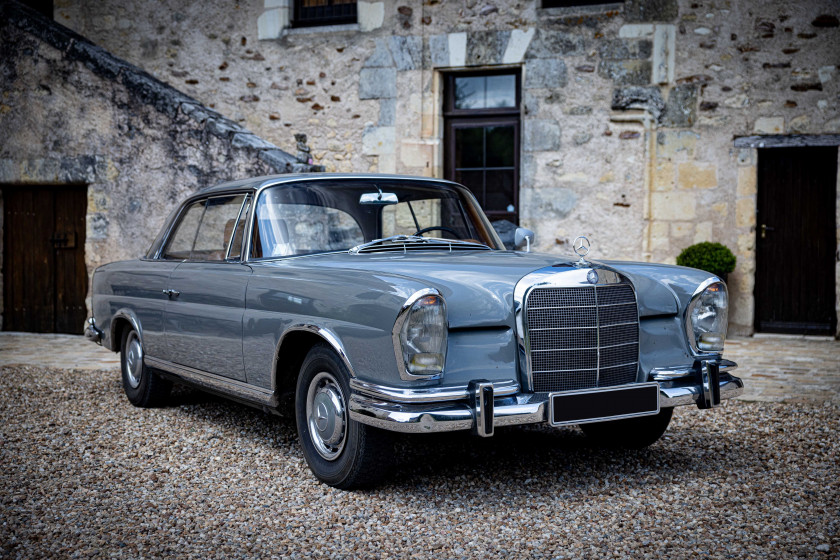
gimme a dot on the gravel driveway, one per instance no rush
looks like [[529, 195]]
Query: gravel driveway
[[86, 474]]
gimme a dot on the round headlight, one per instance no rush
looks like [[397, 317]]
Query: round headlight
[[707, 318], [422, 331]]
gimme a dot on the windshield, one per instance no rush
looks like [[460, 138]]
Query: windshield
[[317, 217]]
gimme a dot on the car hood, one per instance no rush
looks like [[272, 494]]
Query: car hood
[[478, 285]]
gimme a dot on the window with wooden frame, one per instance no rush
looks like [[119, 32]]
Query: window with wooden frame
[[481, 138], [310, 13]]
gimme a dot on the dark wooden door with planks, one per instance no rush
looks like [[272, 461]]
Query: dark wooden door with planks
[[796, 241], [44, 274]]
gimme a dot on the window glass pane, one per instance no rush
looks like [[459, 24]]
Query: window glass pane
[[469, 147], [469, 92], [301, 229], [406, 218], [500, 91], [473, 180], [181, 241], [216, 227], [500, 189], [500, 144], [239, 232]]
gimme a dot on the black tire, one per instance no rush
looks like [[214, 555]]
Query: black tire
[[143, 387], [632, 433], [339, 451]]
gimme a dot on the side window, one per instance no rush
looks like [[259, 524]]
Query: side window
[[216, 228], [238, 232], [182, 238]]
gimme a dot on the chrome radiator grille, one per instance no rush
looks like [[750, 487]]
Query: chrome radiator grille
[[582, 337]]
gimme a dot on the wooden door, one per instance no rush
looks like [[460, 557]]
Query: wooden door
[[796, 241], [44, 274]]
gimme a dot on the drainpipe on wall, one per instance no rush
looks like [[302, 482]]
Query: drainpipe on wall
[[648, 122]]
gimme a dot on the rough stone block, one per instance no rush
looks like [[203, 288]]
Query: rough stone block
[[650, 10], [664, 54], [745, 212], [387, 112], [545, 73], [703, 231], [96, 58], [457, 49], [660, 236], [377, 83], [270, 24], [517, 46], [747, 181], [416, 154], [248, 140], [486, 47], [674, 205], [370, 15], [626, 72], [279, 160], [551, 44], [681, 108], [381, 57], [769, 125], [664, 176], [635, 97], [407, 52], [670, 143], [554, 203], [378, 140], [439, 50], [636, 31], [681, 231], [696, 175], [541, 135], [624, 49]]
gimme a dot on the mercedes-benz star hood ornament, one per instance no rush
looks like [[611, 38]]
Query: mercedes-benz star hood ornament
[[581, 246]]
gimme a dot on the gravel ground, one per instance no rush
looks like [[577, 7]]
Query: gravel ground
[[85, 474]]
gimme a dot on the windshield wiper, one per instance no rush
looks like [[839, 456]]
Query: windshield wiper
[[412, 239]]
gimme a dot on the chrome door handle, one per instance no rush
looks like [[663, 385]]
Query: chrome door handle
[[172, 293]]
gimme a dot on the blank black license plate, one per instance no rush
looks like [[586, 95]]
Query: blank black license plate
[[595, 405]]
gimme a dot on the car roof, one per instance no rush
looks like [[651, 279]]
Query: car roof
[[256, 183]]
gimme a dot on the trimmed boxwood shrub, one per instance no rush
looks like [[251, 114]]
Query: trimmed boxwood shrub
[[711, 257]]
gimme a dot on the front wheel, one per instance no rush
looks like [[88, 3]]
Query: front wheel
[[339, 451], [632, 433], [142, 386]]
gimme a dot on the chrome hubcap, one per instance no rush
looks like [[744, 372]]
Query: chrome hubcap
[[326, 416], [133, 360]]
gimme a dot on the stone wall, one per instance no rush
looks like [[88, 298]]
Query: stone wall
[[629, 111], [70, 113]]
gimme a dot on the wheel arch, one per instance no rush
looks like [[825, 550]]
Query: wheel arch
[[292, 348], [122, 320]]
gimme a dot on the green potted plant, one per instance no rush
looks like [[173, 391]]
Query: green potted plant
[[711, 257]]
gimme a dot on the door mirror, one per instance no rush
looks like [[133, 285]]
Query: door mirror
[[523, 234]]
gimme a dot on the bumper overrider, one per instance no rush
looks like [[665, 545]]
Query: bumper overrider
[[482, 405]]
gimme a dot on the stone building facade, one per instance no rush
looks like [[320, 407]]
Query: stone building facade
[[641, 124], [77, 122]]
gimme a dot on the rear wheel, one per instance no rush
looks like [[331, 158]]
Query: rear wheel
[[339, 451], [632, 433], [142, 386]]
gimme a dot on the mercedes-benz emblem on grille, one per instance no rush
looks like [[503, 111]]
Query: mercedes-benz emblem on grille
[[592, 277], [581, 246]]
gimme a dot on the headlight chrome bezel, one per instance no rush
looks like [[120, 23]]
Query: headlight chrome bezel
[[690, 331], [403, 317]]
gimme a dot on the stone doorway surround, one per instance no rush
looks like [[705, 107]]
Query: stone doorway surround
[[747, 190]]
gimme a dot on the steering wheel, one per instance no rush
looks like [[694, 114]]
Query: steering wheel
[[432, 228]]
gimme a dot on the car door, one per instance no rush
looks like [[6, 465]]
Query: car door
[[203, 324]]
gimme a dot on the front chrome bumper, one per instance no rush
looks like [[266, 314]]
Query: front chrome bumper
[[523, 408]]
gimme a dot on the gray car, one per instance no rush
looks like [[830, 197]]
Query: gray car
[[372, 304]]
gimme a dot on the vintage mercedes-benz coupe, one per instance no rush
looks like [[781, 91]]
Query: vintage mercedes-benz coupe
[[376, 303]]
